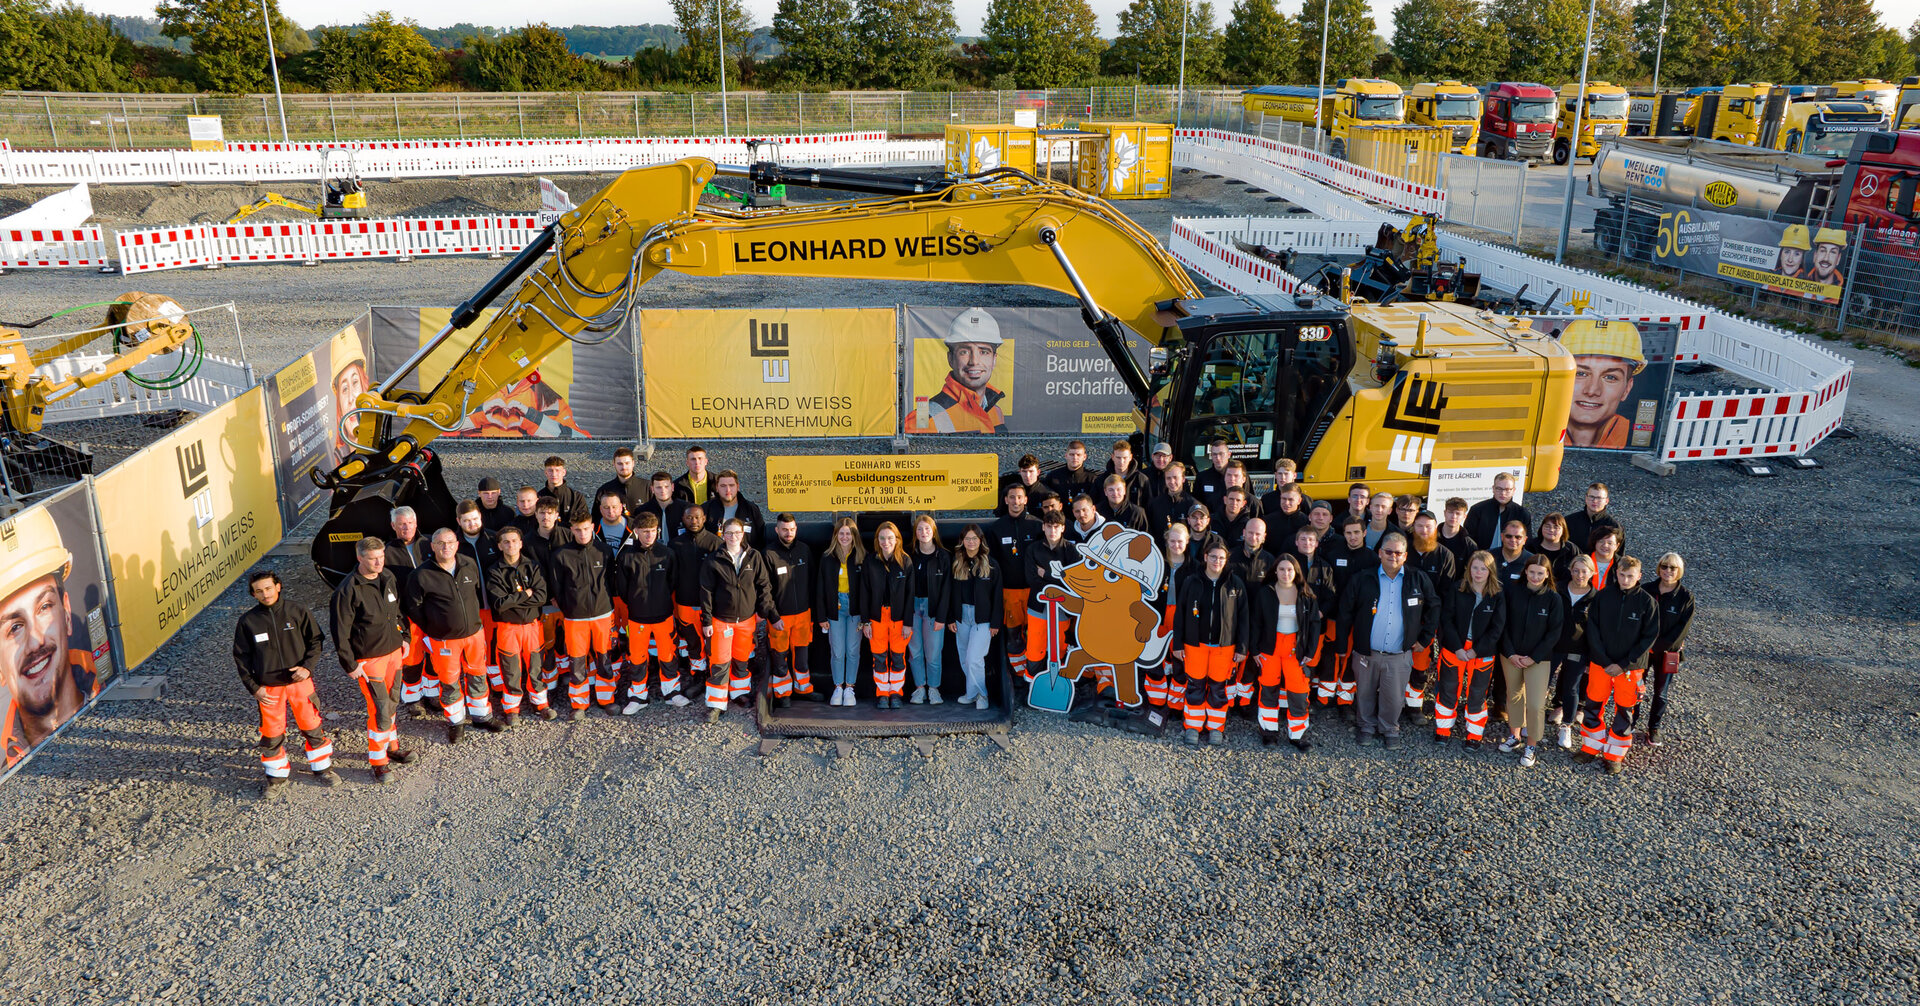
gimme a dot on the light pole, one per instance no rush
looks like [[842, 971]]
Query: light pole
[[720, 29], [275, 64], [1181, 88], [1659, 43], [1320, 93], [1573, 144]]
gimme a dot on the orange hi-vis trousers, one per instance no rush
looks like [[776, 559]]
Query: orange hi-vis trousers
[[276, 701], [788, 662], [1208, 670], [381, 689], [728, 650], [658, 640], [1283, 684], [1609, 740], [518, 646], [1462, 689], [889, 647]]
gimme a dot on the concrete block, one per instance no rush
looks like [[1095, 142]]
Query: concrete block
[[1652, 464], [137, 688]]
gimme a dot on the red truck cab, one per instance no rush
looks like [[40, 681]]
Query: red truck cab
[[1882, 180], [1517, 121]]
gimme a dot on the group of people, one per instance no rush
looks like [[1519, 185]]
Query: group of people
[[1266, 606]]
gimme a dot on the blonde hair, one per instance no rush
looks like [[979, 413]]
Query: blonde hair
[[1679, 564], [855, 551], [1493, 578]]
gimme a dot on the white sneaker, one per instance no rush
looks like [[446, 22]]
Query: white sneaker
[[968, 697], [677, 700], [839, 696], [933, 697], [980, 703], [919, 696], [1527, 759], [1566, 738], [1513, 742], [632, 707]]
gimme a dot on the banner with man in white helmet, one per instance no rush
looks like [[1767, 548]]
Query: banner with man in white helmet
[[1013, 370], [55, 650], [305, 403]]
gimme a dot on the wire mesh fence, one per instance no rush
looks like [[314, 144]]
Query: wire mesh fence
[[160, 120], [1790, 269]]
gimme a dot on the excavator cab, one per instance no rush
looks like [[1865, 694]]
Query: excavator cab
[[1267, 373]]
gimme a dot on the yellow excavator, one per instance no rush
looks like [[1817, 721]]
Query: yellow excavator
[[141, 325], [342, 196], [1351, 391]]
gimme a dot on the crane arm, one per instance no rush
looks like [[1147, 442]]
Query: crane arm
[[581, 275]]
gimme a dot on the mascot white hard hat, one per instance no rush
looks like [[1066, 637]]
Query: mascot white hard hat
[[1127, 552]]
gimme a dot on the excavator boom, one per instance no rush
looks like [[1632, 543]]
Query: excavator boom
[[581, 276]]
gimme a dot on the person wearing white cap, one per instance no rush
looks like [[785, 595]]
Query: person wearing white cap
[[966, 403], [44, 682]]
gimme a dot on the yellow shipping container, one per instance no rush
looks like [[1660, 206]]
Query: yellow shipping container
[[972, 149], [1135, 161], [1408, 152]]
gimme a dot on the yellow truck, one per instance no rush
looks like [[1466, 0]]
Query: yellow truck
[[1827, 128], [1742, 106], [1348, 101], [1603, 119], [1451, 105], [1882, 94]]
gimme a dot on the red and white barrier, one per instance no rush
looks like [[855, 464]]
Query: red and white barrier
[[53, 248], [302, 162], [1352, 178], [314, 241]]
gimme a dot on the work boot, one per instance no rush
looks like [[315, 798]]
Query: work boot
[[1471, 745], [380, 774], [327, 777], [493, 725], [508, 720], [549, 713], [1582, 757], [1216, 737], [1615, 767], [275, 786], [455, 731], [713, 715], [412, 709], [400, 756], [576, 714], [782, 701], [1653, 738], [1268, 738], [1303, 746]]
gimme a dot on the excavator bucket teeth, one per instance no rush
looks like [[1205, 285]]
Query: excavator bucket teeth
[[361, 510]]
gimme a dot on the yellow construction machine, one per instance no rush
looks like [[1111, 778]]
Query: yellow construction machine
[[1349, 391], [342, 196], [141, 325]]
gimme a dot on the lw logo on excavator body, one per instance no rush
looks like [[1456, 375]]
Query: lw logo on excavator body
[[1415, 405]]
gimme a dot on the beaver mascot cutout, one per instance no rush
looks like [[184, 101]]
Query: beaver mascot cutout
[[1114, 628]]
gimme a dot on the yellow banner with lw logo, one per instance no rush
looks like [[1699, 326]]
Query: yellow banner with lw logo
[[186, 517], [724, 374]]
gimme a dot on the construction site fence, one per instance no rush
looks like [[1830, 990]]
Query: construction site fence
[[116, 121], [1803, 394], [249, 162], [313, 242], [1880, 289]]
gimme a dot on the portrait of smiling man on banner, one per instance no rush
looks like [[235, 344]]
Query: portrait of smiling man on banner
[[967, 401], [45, 682]]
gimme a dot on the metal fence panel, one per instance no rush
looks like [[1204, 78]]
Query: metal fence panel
[[1483, 193]]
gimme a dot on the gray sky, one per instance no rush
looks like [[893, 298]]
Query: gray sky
[[512, 13]]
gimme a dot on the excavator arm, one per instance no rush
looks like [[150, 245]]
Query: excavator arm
[[143, 326], [581, 275]]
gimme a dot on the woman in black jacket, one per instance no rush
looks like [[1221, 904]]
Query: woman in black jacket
[[973, 610], [1676, 617], [839, 591], [932, 577], [886, 604], [1473, 617], [1570, 653], [1286, 636], [1534, 618]]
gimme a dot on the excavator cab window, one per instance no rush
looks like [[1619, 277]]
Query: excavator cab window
[[1263, 388]]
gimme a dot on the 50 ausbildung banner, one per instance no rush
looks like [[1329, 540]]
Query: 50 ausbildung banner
[[1800, 260]]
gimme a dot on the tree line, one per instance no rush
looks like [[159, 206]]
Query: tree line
[[218, 46]]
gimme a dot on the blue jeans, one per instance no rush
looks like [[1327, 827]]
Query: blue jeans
[[843, 638], [974, 638], [925, 648]]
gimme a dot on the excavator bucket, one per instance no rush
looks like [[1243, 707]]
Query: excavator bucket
[[358, 511]]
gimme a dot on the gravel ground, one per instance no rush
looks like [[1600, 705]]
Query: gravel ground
[[1765, 854]]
